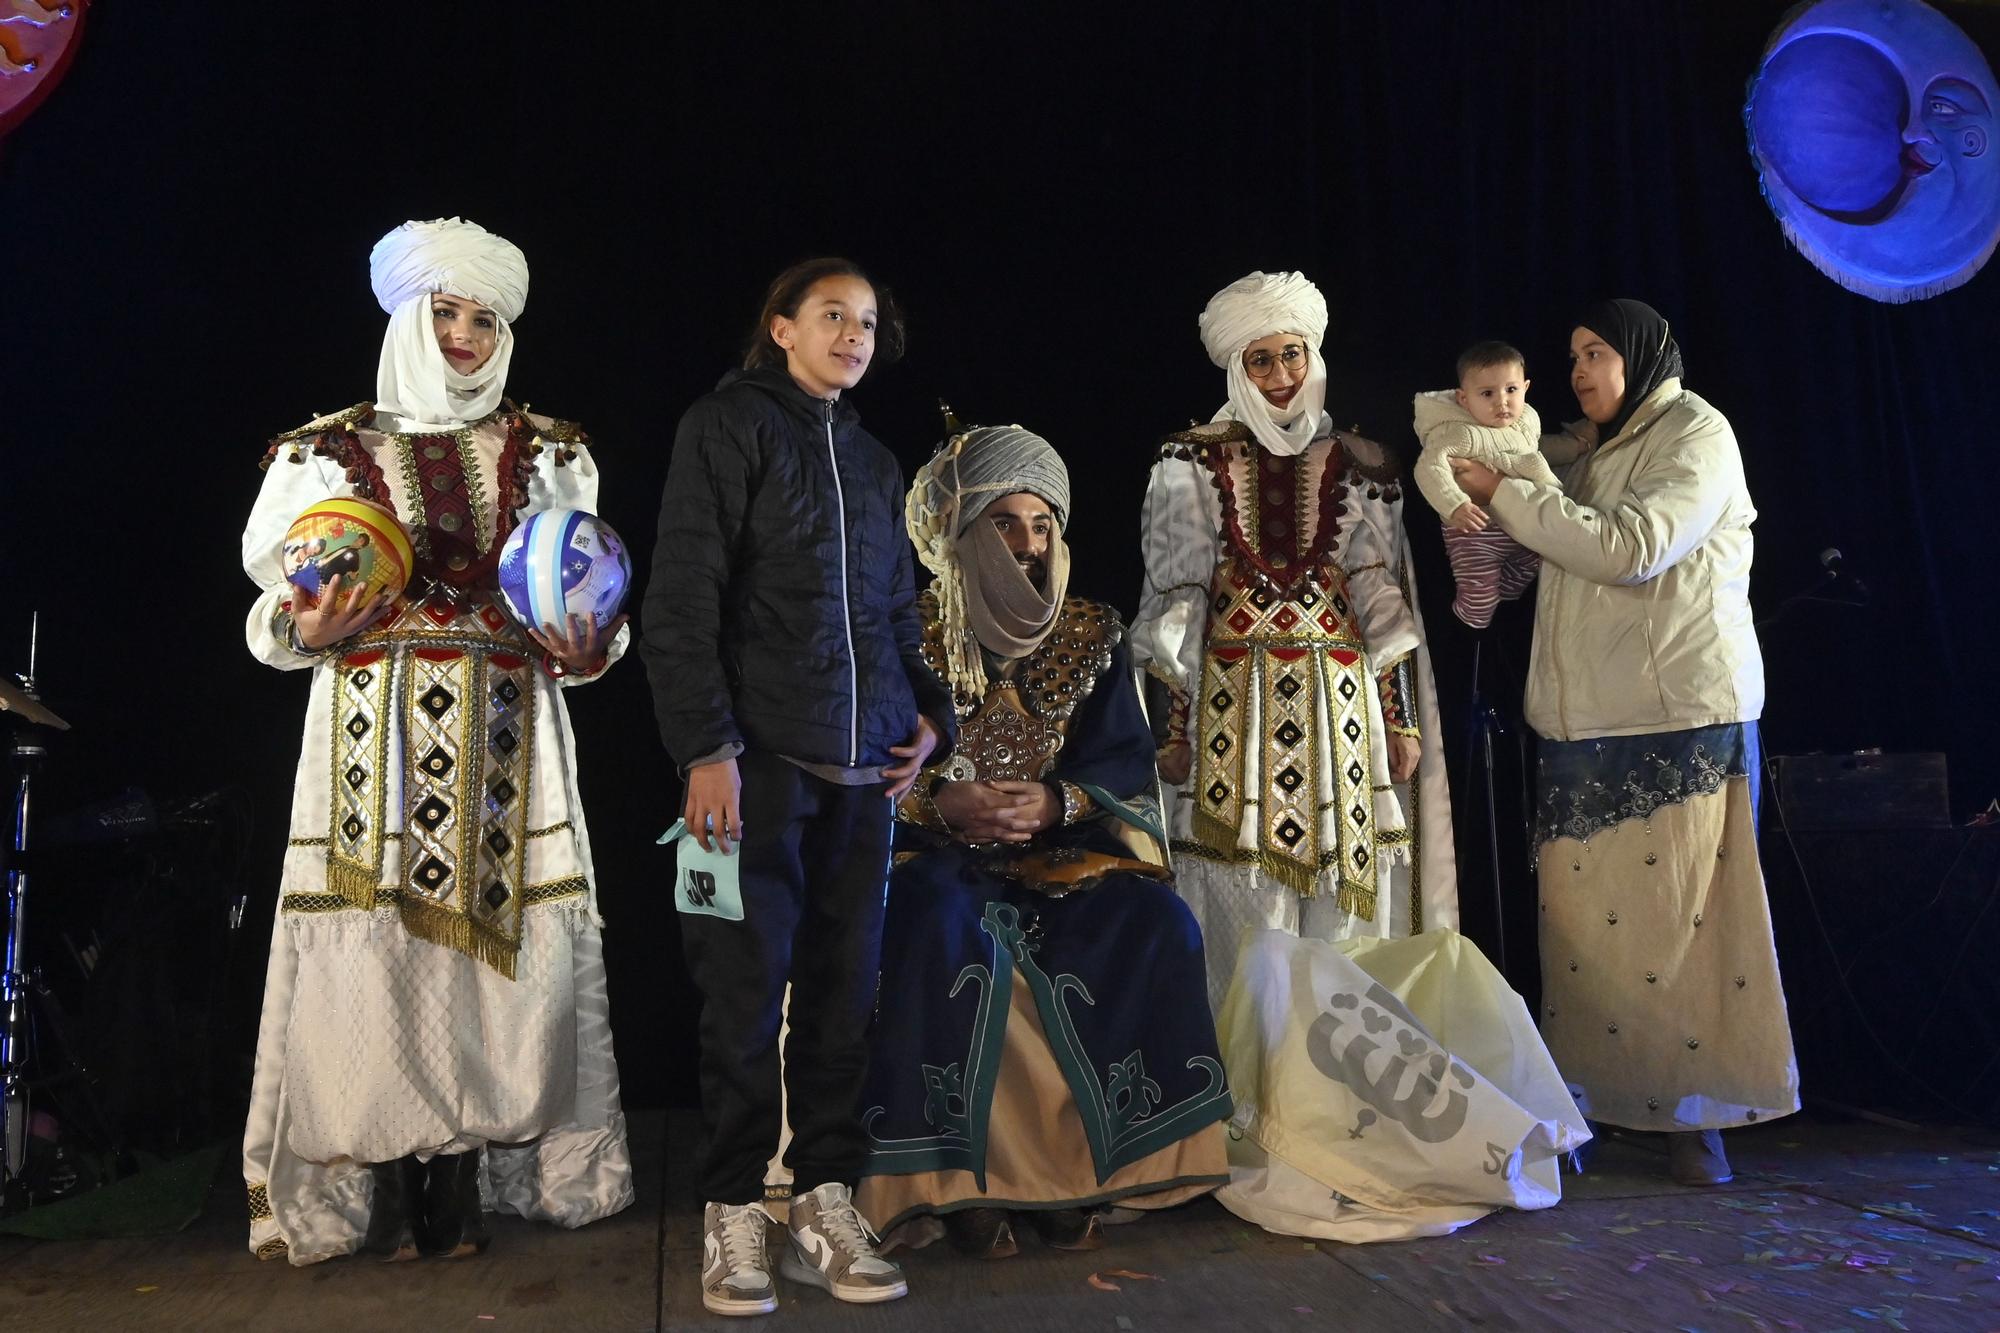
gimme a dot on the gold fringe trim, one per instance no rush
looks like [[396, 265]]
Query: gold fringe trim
[[1351, 896], [354, 884], [1211, 832], [452, 930]]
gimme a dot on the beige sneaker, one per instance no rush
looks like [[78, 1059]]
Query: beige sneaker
[[735, 1260], [833, 1249]]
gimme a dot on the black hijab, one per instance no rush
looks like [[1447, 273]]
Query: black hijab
[[1638, 333]]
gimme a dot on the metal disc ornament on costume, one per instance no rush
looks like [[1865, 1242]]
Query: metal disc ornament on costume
[[560, 563], [359, 540]]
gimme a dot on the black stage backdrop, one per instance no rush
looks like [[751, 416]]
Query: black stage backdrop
[[1053, 195]]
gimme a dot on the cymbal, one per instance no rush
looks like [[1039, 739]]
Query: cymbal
[[14, 699]]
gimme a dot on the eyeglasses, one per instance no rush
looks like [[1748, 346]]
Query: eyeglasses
[[1260, 363]]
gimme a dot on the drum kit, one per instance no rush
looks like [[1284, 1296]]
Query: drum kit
[[27, 1015]]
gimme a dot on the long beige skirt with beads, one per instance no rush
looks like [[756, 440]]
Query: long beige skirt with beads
[[1660, 994]]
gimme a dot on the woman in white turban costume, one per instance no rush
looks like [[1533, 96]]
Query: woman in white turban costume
[[1388, 1082], [435, 1036]]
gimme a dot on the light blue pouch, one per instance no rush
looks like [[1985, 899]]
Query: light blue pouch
[[705, 883]]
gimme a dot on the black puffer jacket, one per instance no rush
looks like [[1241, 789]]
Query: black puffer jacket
[[781, 614]]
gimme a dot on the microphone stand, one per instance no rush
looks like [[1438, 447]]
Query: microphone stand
[[1483, 726], [1814, 593]]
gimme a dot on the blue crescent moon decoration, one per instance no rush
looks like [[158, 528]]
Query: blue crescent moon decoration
[[1871, 123]]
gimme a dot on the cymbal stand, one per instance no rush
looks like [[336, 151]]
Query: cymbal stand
[[27, 752]]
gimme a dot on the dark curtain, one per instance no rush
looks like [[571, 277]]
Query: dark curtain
[[1054, 194]]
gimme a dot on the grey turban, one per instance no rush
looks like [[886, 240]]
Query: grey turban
[[989, 462]]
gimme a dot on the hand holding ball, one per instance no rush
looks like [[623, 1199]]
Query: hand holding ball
[[357, 541], [563, 575]]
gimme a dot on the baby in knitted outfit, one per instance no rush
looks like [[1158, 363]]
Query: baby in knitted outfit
[[1486, 418]]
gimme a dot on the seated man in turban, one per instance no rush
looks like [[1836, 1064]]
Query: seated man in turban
[[1042, 1039]]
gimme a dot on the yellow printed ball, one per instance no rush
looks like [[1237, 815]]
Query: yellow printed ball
[[360, 541]]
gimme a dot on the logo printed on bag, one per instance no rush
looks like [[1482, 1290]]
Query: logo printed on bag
[[710, 882]]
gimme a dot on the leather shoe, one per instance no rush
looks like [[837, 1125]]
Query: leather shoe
[[454, 1223], [1695, 1157], [399, 1194], [983, 1233], [1068, 1229]]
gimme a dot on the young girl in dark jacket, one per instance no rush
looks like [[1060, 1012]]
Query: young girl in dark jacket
[[784, 648]]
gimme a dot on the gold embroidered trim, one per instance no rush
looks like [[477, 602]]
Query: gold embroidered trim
[[468, 737], [316, 902], [551, 830], [485, 520], [357, 777], [1208, 432], [1017, 729], [1058, 676], [557, 431], [360, 412], [260, 1202], [413, 484], [272, 1249], [1307, 705], [310, 842], [550, 890]]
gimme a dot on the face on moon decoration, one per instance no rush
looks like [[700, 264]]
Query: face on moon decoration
[[1872, 125]]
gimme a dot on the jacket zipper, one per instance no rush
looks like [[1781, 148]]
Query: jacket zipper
[[846, 611]]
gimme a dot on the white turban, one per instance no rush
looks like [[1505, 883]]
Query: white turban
[[1257, 307], [414, 384]]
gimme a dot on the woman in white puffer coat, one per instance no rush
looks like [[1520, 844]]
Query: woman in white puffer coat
[[1661, 999]]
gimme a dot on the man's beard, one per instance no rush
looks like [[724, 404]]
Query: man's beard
[[1037, 571]]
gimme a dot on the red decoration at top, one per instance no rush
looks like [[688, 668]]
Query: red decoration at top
[[38, 41]]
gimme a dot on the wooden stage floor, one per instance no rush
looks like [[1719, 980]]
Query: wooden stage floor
[[1829, 1225]]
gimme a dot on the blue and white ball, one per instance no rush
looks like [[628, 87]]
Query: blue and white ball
[[564, 562]]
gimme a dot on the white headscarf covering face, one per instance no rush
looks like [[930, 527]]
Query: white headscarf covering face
[[414, 384], [1256, 307]]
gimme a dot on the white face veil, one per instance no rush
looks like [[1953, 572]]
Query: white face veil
[[415, 386], [1256, 307]]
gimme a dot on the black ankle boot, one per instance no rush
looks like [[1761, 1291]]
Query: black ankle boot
[[454, 1224], [399, 1197]]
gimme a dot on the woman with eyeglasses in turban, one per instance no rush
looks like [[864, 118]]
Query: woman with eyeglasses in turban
[[1312, 825], [434, 1011]]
